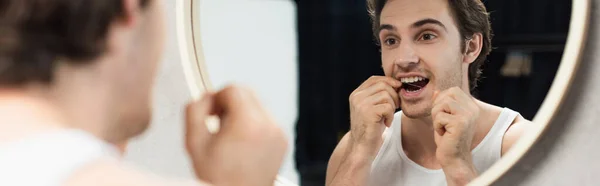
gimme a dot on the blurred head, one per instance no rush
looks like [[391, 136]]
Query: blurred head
[[431, 45], [112, 45]]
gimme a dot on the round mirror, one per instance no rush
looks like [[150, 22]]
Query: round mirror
[[304, 59]]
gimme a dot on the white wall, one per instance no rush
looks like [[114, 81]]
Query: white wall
[[252, 42], [161, 148]]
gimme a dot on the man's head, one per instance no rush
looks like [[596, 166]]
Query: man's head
[[437, 43], [111, 47]]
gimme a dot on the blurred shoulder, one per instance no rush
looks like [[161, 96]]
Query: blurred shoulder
[[108, 171]]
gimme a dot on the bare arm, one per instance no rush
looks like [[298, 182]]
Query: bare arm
[[347, 168], [372, 107]]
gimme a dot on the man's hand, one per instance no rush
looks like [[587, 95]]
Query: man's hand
[[247, 150], [454, 114], [372, 107]]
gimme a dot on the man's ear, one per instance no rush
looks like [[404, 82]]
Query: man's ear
[[131, 9], [473, 48]]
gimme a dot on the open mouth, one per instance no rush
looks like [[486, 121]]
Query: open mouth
[[413, 84]]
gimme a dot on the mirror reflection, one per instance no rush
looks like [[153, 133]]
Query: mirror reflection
[[396, 92]]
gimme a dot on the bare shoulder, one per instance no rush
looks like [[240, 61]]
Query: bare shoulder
[[519, 126], [111, 172]]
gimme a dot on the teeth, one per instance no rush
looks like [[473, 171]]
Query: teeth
[[411, 79]]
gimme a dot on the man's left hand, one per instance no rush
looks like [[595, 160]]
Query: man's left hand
[[454, 114]]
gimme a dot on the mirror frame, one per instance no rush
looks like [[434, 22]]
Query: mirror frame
[[196, 74], [190, 47]]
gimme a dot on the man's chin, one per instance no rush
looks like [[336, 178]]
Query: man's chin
[[138, 128], [131, 127], [415, 113]]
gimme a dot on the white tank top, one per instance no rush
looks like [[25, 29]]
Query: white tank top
[[392, 167], [50, 159]]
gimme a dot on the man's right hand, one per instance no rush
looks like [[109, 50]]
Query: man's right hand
[[247, 150], [372, 107]]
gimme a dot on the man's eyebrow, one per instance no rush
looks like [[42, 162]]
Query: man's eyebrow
[[386, 27], [428, 21], [414, 25]]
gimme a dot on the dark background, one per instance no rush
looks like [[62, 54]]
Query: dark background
[[337, 53]]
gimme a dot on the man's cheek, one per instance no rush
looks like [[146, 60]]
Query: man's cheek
[[388, 66]]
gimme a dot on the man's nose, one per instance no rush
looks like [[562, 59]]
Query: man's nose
[[406, 56]]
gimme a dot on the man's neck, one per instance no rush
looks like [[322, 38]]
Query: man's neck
[[37, 109], [417, 140]]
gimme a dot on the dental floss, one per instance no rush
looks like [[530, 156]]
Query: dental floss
[[414, 85], [213, 124]]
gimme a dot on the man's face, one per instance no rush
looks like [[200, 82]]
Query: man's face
[[420, 43], [140, 52]]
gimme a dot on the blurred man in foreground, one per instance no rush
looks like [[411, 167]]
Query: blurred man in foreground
[[75, 83]]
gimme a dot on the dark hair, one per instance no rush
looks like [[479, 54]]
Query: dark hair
[[35, 34], [470, 16]]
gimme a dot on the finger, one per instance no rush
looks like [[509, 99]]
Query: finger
[[382, 87], [196, 132], [375, 79], [437, 138], [456, 94], [394, 95], [382, 97], [438, 96], [447, 105], [442, 95], [437, 108], [236, 104], [435, 95], [235, 99], [461, 94], [441, 121], [386, 112], [462, 97]]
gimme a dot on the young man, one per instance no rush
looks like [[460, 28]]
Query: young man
[[431, 51], [75, 83]]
